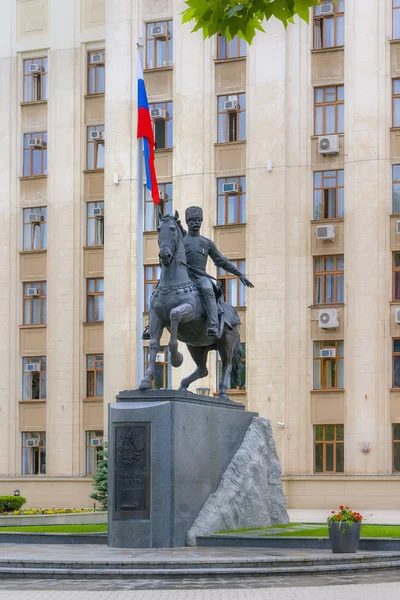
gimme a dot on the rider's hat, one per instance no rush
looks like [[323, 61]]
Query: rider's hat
[[193, 212]]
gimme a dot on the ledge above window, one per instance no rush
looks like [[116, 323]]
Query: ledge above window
[[35, 102], [329, 391], [25, 177], [229, 60], [169, 68], [322, 50]]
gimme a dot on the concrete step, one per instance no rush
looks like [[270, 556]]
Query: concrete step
[[200, 572]]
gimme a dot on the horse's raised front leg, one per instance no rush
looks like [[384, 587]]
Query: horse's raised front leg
[[199, 355], [155, 329], [179, 314]]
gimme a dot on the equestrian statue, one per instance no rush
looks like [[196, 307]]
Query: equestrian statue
[[190, 303]]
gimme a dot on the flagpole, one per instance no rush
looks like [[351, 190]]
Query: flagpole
[[140, 268]]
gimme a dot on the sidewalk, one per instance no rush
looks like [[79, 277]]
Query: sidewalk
[[373, 517]]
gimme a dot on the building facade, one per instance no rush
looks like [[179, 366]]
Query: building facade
[[292, 148]]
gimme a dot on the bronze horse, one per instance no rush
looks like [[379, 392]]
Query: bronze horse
[[176, 304]]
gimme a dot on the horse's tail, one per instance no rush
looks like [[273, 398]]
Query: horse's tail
[[237, 364]]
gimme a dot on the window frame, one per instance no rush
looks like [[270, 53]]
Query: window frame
[[168, 122], [42, 228], [94, 450], [394, 271], [43, 155], [166, 366], [43, 62], [238, 389], [150, 284], [95, 67], [96, 360], [324, 104], [395, 96], [240, 44], [395, 355], [238, 111], [324, 442], [327, 344], [323, 274], [225, 198], [336, 174], [42, 379], [96, 143], [96, 220], [34, 450], [168, 42], [225, 277], [94, 295], [163, 208], [394, 10], [318, 17], [42, 297]]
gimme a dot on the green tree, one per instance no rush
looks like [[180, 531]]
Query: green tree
[[242, 17], [100, 478]]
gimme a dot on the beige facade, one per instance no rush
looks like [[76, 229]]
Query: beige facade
[[53, 344]]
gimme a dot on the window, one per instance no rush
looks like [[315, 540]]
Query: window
[[396, 363], [34, 453], [35, 79], [96, 72], [328, 365], [35, 228], [94, 376], [94, 445], [242, 376], [396, 19], [396, 275], [94, 300], [159, 47], [95, 223], [328, 448], [34, 378], [231, 205], [162, 126], [396, 447], [328, 279], [151, 277], [396, 102], [329, 110], [234, 291], [233, 49], [35, 154], [95, 149], [232, 118], [329, 29], [329, 195], [152, 211], [35, 300], [163, 376], [396, 189]]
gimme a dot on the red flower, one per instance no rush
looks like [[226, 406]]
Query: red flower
[[333, 512], [341, 507], [347, 507]]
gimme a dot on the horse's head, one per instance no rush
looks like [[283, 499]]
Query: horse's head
[[170, 235]]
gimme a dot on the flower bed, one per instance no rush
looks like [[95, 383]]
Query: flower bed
[[65, 517], [54, 511]]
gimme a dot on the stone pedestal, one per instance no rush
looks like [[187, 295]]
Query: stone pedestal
[[167, 453]]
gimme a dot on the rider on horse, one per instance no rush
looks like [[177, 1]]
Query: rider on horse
[[198, 248]]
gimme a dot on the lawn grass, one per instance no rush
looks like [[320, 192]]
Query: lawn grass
[[320, 531], [101, 528]]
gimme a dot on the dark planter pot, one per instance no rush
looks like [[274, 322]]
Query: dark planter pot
[[344, 537]]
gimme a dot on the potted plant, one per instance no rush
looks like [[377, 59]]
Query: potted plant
[[344, 528]]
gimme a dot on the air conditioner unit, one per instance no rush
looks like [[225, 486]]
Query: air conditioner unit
[[167, 63], [97, 59], [96, 135], [33, 367], [397, 317], [34, 69], [157, 113], [158, 31], [327, 9], [35, 143], [98, 212], [162, 195], [32, 292], [32, 443], [96, 442], [230, 188], [34, 218], [160, 357], [328, 144], [398, 227], [231, 104], [328, 353], [325, 232], [328, 318]]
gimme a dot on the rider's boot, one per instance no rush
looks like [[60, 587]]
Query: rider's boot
[[212, 312]]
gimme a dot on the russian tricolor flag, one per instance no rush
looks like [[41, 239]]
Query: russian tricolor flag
[[145, 131]]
